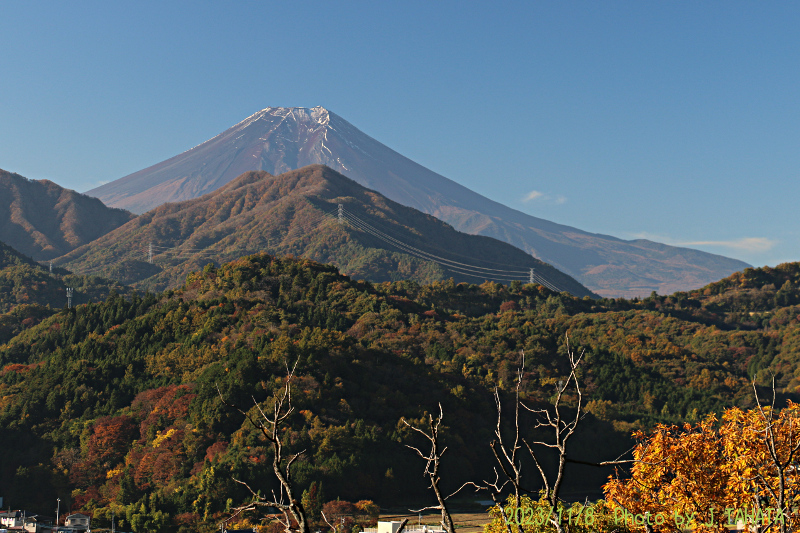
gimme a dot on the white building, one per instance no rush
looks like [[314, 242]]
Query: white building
[[11, 519], [78, 522], [38, 524], [392, 527]]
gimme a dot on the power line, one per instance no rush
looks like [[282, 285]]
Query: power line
[[456, 266], [353, 217], [485, 260], [429, 257], [341, 215]]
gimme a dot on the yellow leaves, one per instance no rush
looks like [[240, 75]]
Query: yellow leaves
[[182, 360], [677, 469], [703, 380], [633, 341], [344, 406], [114, 472], [161, 437], [731, 382], [368, 507], [602, 409], [647, 400], [696, 469]]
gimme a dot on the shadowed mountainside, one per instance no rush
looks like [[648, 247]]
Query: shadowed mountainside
[[43, 220]]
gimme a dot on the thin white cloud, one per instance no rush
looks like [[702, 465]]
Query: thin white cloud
[[745, 244], [539, 195], [533, 195]]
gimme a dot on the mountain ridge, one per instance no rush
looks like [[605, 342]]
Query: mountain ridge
[[44, 220], [281, 139], [292, 214]]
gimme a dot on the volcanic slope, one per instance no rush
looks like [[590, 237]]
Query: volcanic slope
[[297, 213], [279, 139], [44, 220]]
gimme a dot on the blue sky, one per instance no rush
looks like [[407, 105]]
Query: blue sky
[[675, 121]]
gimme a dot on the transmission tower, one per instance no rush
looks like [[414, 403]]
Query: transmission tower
[[69, 297], [150, 253], [51, 267], [531, 278], [341, 214]]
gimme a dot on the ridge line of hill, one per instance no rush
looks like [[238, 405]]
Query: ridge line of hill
[[262, 212], [44, 220]]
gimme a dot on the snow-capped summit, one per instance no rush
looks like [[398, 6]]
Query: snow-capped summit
[[275, 139], [279, 139]]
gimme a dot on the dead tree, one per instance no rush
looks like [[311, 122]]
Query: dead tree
[[781, 440], [432, 462], [273, 423], [562, 427], [506, 455]]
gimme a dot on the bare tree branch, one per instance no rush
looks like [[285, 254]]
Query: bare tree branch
[[561, 427], [271, 425], [784, 495], [431, 471]]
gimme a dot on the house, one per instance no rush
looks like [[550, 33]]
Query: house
[[10, 519], [38, 524], [392, 527], [77, 522]]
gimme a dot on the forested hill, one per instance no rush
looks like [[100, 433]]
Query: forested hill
[[116, 403], [753, 290], [29, 292], [44, 220], [114, 406], [25, 281], [296, 213]]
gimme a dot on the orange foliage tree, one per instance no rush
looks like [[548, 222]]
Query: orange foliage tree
[[762, 445], [677, 478], [711, 475]]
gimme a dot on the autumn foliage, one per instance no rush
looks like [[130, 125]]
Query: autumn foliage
[[707, 476], [115, 405]]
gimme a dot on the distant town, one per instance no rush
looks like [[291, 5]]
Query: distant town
[[19, 520]]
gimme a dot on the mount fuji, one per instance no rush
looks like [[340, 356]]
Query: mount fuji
[[280, 139]]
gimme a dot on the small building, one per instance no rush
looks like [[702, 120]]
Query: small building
[[78, 522], [38, 524], [9, 519], [392, 527]]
